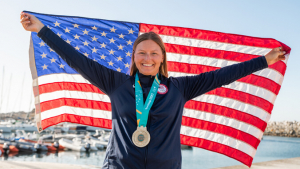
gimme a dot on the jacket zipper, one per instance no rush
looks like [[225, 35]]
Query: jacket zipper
[[146, 152]]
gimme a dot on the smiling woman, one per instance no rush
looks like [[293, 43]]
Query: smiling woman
[[148, 93], [149, 55]]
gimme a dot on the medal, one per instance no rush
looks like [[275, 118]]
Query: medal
[[141, 136]]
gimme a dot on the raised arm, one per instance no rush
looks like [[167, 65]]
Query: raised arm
[[193, 86], [105, 79]]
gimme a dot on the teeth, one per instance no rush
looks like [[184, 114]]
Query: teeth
[[147, 64]]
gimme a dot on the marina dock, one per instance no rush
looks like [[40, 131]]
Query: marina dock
[[42, 165], [290, 163]]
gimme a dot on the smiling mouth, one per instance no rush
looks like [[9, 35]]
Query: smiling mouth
[[147, 65]]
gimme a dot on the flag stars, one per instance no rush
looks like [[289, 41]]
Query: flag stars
[[77, 48], [69, 42], [113, 29], [111, 52], [94, 60], [85, 54], [85, 32], [67, 30], [51, 50], [45, 66], [120, 47], [58, 34], [57, 24], [43, 55], [128, 53], [52, 60], [130, 31], [110, 63], [119, 58], [103, 34], [94, 38], [42, 43], [126, 65], [129, 42], [103, 57], [94, 50], [49, 27], [76, 36], [75, 25], [119, 70], [121, 36], [103, 45], [112, 40], [85, 43], [94, 27], [62, 66]]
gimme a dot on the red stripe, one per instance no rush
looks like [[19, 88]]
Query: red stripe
[[84, 87], [90, 121], [222, 129], [227, 112], [213, 36], [198, 69], [219, 54], [217, 147], [243, 97], [82, 103]]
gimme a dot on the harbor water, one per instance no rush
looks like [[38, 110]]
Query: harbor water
[[270, 148]]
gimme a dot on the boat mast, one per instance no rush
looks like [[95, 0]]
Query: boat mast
[[2, 90]]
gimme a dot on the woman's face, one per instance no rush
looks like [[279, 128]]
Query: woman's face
[[147, 57]]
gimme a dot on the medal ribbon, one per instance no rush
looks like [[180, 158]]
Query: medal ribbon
[[142, 110]]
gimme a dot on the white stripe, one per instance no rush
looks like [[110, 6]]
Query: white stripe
[[76, 111], [234, 104], [231, 122], [214, 45], [61, 77], [240, 86], [74, 95], [219, 138], [207, 61]]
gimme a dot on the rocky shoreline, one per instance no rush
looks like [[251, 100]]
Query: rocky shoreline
[[284, 129]]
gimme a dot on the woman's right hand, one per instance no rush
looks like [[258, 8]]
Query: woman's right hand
[[30, 22]]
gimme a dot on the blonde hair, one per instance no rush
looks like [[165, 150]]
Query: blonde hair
[[163, 69]]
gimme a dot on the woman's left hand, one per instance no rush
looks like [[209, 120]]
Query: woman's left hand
[[275, 55]]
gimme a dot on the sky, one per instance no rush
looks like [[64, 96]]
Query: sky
[[268, 19]]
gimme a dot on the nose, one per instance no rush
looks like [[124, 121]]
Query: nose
[[147, 56]]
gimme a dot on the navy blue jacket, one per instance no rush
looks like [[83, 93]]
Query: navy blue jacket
[[165, 116]]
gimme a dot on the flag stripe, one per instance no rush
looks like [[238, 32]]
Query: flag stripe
[[198, 69], [214, 45], [221, 129], [219, 63], [74, 95], [210, 35], [51, 87], [65, 117], [219, 54], [235, 104], [240, 86], [103, 114], [82, 103], [226, 112], [243, 97], [219, 138], [217, 147], [230, 123]]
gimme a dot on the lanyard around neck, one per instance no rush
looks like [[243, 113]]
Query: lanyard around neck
[[142, 110]]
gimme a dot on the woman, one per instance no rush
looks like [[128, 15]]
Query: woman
[[135, 119]]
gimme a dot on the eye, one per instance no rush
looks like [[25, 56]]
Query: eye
[[154, 53]]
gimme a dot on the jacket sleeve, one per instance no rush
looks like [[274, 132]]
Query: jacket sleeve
[[105, 79], [193, 86]]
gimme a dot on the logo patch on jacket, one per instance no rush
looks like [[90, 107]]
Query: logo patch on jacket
[[162, 89]]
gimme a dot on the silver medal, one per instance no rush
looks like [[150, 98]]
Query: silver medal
[[141, 137]]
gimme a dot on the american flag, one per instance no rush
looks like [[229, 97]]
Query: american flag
[[229, 120]]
